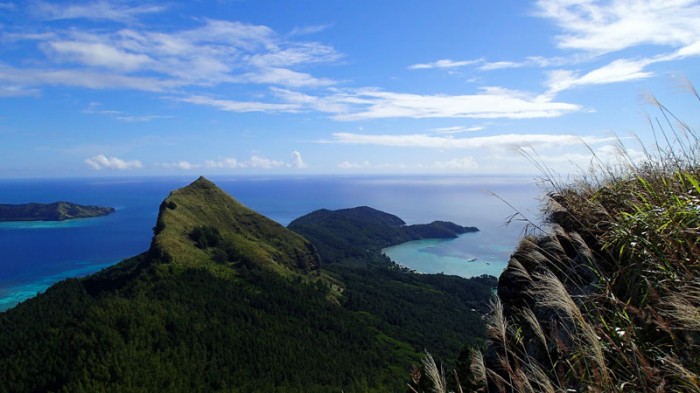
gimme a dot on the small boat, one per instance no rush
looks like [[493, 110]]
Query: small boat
[[471, 259]]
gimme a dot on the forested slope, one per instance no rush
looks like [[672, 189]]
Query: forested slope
[[227, 300]]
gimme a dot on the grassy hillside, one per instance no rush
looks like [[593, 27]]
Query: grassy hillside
[[236, 235], [606, 297]]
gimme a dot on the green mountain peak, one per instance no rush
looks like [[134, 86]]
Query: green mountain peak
[[200, 225]]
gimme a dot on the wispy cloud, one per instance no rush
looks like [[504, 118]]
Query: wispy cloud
[[618, 71], [217, 52], [17, 91], [34, 78], [590, 29], [460, 164], [255, 161], [181, 165], [96, 10], [96, 109], [499, 65], [603, 27], [368, 165], [508, 141], [229, 162], [457, 129], [238, 106], [490, 103], [283, 77], [97, 54], [445, 63], [305, 30], [364, 104], [331, 103], [483, 64], [101, 161]]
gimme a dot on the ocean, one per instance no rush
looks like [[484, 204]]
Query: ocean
[[34, 255]]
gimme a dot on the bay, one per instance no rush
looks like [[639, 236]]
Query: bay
[[34, 255]]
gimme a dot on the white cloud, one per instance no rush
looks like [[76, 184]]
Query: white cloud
[[181, 165], [490, 103], [256, 161], [689, 50], [98, 55], [17, 91], [457, 129], [297, 161], [621, 70], [213, 53], [485, 65], [308, 30], [284, 77], [602, 27], [354, 165], [456, 164], [222, 163], [498, 65], [508, 141], [364, 104], [95, 109], [445, 63], [101, 161], [104, 10], [239, 106], [328, 104], [366, 165], [25, 77], [296, 53]]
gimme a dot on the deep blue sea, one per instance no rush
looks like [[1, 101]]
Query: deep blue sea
[[34, 255]]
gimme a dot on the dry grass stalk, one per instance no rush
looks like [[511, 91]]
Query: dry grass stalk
[[434, 375]]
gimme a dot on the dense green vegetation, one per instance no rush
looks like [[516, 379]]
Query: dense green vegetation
[[226, 300], [350, 233], [194, 332], [57, 211], [409, 305]]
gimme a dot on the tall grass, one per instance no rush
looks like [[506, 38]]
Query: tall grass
[[606, 298]]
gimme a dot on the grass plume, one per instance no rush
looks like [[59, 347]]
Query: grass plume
[[606, 296]]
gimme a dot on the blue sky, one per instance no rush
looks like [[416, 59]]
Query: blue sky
[[107, 88]]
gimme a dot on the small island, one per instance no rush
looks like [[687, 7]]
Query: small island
[[57, 211]]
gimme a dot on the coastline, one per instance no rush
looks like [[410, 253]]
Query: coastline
[[466, 256]]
